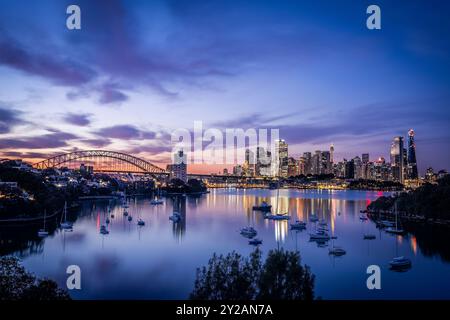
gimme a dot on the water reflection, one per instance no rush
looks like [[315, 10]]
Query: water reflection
[[168, 253]]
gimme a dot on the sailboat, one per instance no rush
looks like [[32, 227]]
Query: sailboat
[[43, 232], [65, 224], [395, 230], [156, 201], [335, 250], [278, 216], [399, 263], [124, 201]]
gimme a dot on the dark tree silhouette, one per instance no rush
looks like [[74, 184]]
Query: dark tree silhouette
[[234, 277], [18, 284]]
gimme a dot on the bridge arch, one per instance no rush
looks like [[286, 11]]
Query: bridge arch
[[143, 165]]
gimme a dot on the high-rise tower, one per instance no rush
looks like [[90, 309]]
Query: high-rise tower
[[412, 163], [397, 159]]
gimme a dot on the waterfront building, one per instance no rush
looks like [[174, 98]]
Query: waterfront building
[[429, 175], [357, 167], [293, 167], [365, 158], [412, 172], [315, 162], [349, 171], [178, 168], [249, 164], [332, 154], [325, 162], [339, 169], [237, 170], [306, 163], [280, 165], [397, 159]]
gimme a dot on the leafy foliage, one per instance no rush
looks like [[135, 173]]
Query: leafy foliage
[[18, 284], [234, 277], [430, 201]]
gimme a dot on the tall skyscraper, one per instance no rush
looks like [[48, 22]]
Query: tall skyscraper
[[412, 163], [397, 159], [249, 164], [281, 158], [308, 163], [325, 162], [332, 153], [178, 168], [365, 158]]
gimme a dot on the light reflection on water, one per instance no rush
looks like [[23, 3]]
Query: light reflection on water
[[159, 260]]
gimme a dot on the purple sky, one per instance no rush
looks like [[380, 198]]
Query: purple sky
[[139, 69]]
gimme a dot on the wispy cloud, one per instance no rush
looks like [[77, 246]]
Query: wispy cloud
[[50, 140], [8, 118], [78, 119]]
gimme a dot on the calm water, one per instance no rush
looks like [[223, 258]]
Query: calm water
[[158, 260]]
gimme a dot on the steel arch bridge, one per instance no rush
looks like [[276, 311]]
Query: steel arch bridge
[[140, 165]]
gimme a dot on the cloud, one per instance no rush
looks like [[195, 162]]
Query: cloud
[[50, 140], [8, 119], [110, 94], [124, 132], [78, 119], [96, 143], [51, 66], [25, 155]]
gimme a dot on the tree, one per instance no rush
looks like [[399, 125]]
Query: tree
[[234, 277], [18, 284], [283, 277]]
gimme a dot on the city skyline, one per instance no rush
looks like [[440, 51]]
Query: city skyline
[[314, 72]]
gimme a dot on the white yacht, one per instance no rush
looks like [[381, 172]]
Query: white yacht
[[319, 236], [400, 263], [248, 232], [298, 225], [337, 251], [278, 216], [323, 223], [103, 230], [42, 233], [255, 242], [395, 229], [264, 207], [175, 217], [64, 223]]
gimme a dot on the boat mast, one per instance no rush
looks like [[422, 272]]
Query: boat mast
[[395, 208]]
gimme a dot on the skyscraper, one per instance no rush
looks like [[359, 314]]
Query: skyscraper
[[397, 159], [412, 163], [332, 153], [281, 158], [365, 158], [178, 168]]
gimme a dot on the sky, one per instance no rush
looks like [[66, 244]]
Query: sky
[[137, 70]]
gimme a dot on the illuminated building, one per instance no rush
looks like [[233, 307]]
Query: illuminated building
[[412, 162], [397, 160]]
